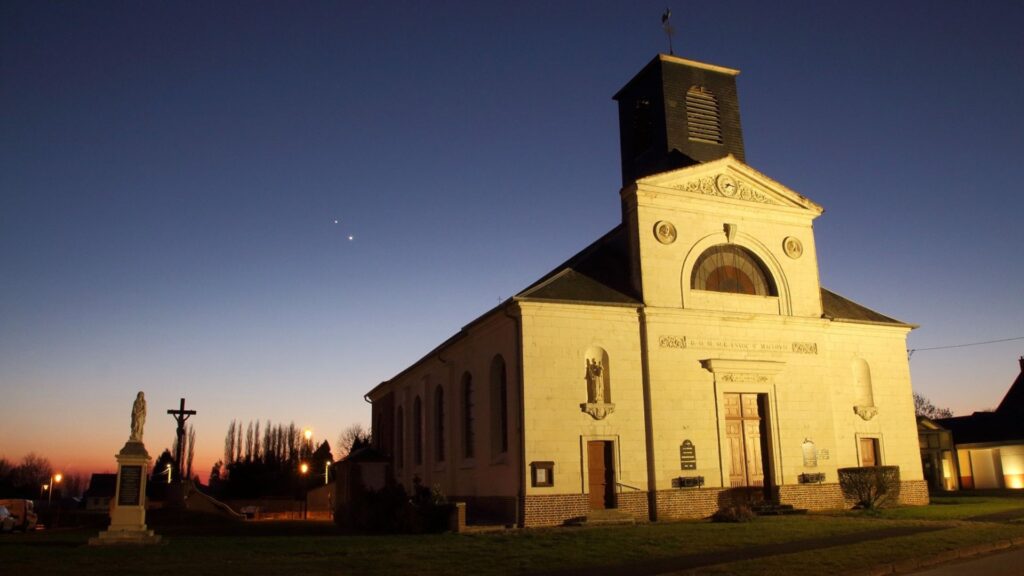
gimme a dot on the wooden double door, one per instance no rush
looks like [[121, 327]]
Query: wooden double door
[[747, 436], [601, 474]]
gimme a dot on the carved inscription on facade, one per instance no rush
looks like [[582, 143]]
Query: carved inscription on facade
[[726, 187], [743, 377], [738, 345]]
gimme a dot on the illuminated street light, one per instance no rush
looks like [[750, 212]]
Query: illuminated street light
[[168, 472], [54, 479], [304, 468]]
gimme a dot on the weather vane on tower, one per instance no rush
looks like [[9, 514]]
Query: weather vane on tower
[[666, 24]]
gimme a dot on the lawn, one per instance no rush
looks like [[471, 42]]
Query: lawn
[[301, 548]]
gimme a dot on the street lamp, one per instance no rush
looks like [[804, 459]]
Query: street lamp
[[168, 472], [54, 479], [304, 469]]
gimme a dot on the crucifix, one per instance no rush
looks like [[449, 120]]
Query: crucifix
[[180, 415]]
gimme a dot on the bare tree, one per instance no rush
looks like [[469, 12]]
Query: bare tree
[[924, 407], [355, 436], [190, 451], [33, 472], [229, 444]]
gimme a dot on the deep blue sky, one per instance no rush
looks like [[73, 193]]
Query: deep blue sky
[[170, 173]]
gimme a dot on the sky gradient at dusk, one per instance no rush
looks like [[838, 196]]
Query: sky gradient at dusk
[[171, 174]]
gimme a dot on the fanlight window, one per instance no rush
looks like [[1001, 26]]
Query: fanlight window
[[729, 268]]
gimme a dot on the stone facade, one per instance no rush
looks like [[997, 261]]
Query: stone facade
[[689, 351]]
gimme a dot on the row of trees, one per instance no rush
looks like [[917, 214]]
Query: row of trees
[[26, 479], [266, 462]]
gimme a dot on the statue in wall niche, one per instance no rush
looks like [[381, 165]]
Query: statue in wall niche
[[595, 380], [597, 393], [138, 417]]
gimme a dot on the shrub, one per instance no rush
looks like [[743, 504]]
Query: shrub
[[870, 486], [737, 513]]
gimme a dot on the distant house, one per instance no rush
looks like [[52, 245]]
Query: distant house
[[100, 492], [990, 445]]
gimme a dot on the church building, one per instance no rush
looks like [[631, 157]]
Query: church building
[[688, 355]]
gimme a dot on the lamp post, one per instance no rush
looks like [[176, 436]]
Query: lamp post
[[54, 479], [304, 469], [168, 472]]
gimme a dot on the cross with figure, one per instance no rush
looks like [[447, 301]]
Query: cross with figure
[[180, 415]]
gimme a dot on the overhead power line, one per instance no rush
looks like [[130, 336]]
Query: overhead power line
[[910, 351]]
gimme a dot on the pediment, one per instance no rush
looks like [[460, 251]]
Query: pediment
[[731, 180]]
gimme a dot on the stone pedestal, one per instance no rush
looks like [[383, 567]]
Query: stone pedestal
[[128, 511]]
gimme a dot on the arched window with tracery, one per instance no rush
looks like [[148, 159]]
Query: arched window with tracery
[[468, 431], [399, 438], [439, 424], [733, 269], [499, 406], [417, 431]]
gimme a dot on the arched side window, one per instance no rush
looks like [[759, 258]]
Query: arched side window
[[499, 406], [863, 389], [439, 424], [399, 438], [417, 431], [468, 433], [862, 383], [733, 269], [702, 118]]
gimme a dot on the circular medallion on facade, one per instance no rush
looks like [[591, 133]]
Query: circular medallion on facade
[[726, 185], [793, 247], [665, 232]]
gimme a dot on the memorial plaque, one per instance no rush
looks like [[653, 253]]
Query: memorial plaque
[[130, 488], [687, 456], [810, 454]]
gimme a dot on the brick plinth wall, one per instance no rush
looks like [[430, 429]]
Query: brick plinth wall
[[687, 503], [557, 509], [914, 492], [813, 496], [554, 510], [634, 503], [830, 496]]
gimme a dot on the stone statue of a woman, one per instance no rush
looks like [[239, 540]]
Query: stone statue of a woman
[[138, 417]]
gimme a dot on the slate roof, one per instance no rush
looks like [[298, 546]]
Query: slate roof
[[1013, 402], [1004, 426], [600, 274], [101, 486], [835, 307]]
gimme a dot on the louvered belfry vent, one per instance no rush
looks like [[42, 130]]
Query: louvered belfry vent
[[702, 119]]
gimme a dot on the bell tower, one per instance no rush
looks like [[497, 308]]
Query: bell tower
[[676, 113]]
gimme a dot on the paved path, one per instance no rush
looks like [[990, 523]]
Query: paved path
[[999, 516], [1003, 564], [657, 566]]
